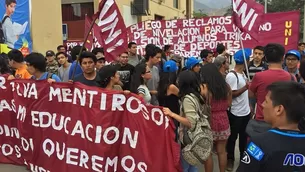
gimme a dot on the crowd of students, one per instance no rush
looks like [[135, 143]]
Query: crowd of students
[[226, 97]]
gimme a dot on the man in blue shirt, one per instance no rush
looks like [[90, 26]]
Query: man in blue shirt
[[36, 66]]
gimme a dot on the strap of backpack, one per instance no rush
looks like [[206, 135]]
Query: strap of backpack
[[50, 75], [234, 72], [3, 20]]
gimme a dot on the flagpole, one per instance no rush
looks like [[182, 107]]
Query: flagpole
[[266, 5], [244, 55]]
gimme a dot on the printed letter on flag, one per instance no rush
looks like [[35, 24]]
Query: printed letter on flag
[[247, 16]]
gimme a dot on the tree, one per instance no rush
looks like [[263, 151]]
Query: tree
[[199, 14]]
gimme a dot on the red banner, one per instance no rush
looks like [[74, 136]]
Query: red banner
[[190, 36], [74, 128]]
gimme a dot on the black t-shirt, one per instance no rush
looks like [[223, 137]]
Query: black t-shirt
[[276, 150], [125, 73], [80, 78]]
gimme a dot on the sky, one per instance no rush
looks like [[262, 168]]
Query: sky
[[215, 3]]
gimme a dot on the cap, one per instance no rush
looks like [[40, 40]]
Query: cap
[[191, 62], [170, 66], [295, 53], [239, 56], [50, 53], [219, 60]]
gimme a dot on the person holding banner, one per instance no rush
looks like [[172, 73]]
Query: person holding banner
[[109, 78], [16, 61]]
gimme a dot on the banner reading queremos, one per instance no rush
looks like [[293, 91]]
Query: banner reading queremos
[[15, 20], [190, 36], [74, 128]]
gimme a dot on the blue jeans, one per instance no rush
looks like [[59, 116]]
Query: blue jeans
[[187, 167]]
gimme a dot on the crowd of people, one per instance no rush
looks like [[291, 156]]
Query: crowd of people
[[201, 89]]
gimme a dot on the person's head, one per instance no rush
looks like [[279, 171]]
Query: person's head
[[258, 53], [4, 68], [220, 49], [188, 83], [167, 77], [284, 103], [50, 56], [87, 61], [62, 58], [302, 69], [292, 59], [99, 53], [132, 48], [36, 63], [10, 6], [153, 54], [239, 56], [61, 48], [216, 83], [140, 76], [206, 55], [15, 58], [109, 76], [274, 53], [123, 58], [75, 52], [222, 63], [166, 48], [193, 64], [301, 46]]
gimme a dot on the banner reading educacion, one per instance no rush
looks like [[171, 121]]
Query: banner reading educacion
[[15, 19], [75, 128], [190, 36]]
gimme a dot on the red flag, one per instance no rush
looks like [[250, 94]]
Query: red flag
[[247, 16], [92, 41], [112, 32]]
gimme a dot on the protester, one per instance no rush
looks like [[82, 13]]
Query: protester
[[166, 53], [220, 99], [75, 68], [16, 61], [302, 71], [36, 66], [257, 64], [239, 112], [206, 56], [133, 58], [193, 64], [140, 77], [153, 57], [168, 93], [109, 78], [63, 70], [222, 64], [274, 54], [125, 70], [4, 68], [221, 50], [301, 48], [281, 148], [63, 49], [99, 53], [178, 59], [292, 59], [89, 76], [192, 95], [52, 65]]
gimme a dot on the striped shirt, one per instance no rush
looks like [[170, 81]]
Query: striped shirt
[[254, 69]]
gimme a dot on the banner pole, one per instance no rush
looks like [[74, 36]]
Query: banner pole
[[244, 55]]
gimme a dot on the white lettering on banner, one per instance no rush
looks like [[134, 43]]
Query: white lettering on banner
[[2, 82], [29, 89], [114, 31], [8, 150], [245, 13], [81, 158], [36, 168], [171, 24], [265, 27], [21, 113], [4, 105]]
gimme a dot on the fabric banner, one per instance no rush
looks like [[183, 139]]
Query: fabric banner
[[190, 36], [15, 20], [75, 128]]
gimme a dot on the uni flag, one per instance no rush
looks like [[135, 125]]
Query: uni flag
[[248, 16], [93, 38]]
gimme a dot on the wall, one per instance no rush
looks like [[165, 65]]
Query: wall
[[76, 29], [46, 25]]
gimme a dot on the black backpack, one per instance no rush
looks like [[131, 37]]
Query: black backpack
[[2, 38]]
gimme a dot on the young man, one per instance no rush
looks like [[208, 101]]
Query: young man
[[52, 65], [63, 49], [16, 61], [89, 76], [292, 59], [257, 64], [36, 65], [153, 57], [125, 70], [206, 56], [133, 58], [193, 64], [221, 49], [99, 53], [222, 63], [274, 54], [301, 48], [281, 148], [7, 24], [63, 71], [239, 112]]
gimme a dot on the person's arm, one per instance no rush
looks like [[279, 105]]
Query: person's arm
[[229, 97], [172, 89], [231, 79], [253, 86]]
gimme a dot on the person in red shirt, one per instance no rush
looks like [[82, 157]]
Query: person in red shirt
[[274, 54]]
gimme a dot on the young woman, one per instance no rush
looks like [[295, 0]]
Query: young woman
[[168, 91], [139, 79], [109, 78], [192, 94], [220, 96]]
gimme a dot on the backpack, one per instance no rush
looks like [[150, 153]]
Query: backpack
[[2, 37], [197, 143], [50, 75]]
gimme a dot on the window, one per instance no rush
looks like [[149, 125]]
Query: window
[[176, 3], [77, 11]]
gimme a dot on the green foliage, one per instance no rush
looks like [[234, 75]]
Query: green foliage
[[199, 14]]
